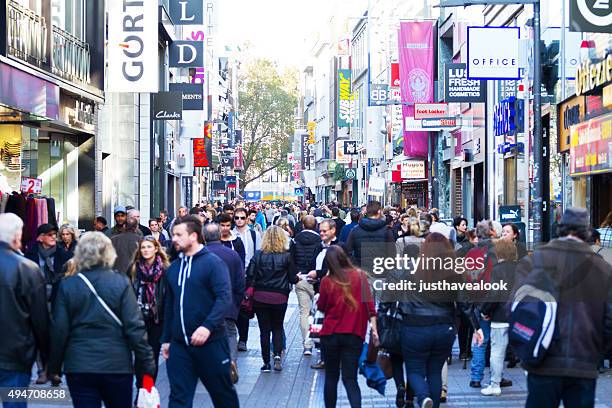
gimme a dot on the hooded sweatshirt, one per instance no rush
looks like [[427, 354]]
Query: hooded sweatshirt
[[368, 240], [199, 294]]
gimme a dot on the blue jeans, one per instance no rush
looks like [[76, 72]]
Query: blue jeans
[[10, 379], [479, 353], [88, 390], [425, 350], [548, 392]]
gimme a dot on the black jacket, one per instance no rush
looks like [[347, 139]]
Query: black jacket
[[84, 336], [497, 307], [306, 245], [272, 272], [24, 317], [237, 245], [584, 308], [161, 288], [368, 240], [339, 225], [236, 274], [59, 261]]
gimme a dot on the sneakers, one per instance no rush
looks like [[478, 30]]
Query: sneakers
[[427, 403], [234, 372], [277, 364], [242, 346], [494, 390], [266, 368], [308, 351], [443, 395]]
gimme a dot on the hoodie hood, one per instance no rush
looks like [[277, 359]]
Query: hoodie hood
[[307, 237], [371, 224]]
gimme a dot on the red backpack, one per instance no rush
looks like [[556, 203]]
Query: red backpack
[[478, 274]]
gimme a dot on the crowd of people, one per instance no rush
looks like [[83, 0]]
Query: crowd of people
[[97, 309]]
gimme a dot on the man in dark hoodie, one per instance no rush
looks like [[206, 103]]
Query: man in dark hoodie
[[305, 247], [370, 237], [583, 279], [194, 339]]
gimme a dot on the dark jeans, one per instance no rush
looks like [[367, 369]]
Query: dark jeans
[[243, 327], [425, 349], [211, 364], [465, 332], [341, 350], [548, 392], [89, 390], [397, 365], [270, 319], [12, 379], [154, 333]]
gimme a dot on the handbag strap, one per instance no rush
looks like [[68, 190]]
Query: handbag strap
[[102, 302]]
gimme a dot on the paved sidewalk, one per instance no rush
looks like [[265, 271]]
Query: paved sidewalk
[[300, 386]]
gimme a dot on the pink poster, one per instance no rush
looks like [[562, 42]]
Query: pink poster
[[416, 51]]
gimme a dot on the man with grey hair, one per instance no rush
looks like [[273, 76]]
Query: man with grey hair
[[23, 301], [134, 213], [212, 238], [126, 244]]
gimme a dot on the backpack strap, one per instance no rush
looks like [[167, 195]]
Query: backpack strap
[[254, 239], [100, 300]]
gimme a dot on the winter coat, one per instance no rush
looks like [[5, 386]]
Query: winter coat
[[306, 246], [370, 235], [237, 275], [271, 272]]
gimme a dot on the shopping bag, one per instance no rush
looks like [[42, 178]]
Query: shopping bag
[[148, 399]]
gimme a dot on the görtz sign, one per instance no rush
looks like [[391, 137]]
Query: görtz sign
[[493, 52], [430, 110]]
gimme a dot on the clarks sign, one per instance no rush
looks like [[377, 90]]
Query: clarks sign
[[168, 106], [133, 64], [592, 75]]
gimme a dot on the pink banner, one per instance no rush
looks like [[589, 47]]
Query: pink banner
[[416, 51]]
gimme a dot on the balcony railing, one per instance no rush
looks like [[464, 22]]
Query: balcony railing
[[27, 34], [70, 56]]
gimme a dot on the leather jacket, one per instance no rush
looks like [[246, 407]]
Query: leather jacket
[[273, 272]]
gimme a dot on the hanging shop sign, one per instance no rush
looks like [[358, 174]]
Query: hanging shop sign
[[298, 191], [487, 59], [509, 213], [341, 157], [395, 74], [458, 88], [193, 95], [311, 128], [252, 195], [188, 190], [430, 110], [569, 113], [379, 94], [31, 185], [439, 123], [187, 12], [202, 155], [347, 102], [305, 152], [591, 75], [607, 96], [508, 117], [376, 186], [133, 63], [591, 146], [349, 147], [185, 54], [350, 174], [413, 169], [168, 106], [591, 16]]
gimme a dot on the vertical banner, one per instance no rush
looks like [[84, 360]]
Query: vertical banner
[[305, 159], [416, 52], [347, 105], [133, 64], [202, 148], [188, 190]]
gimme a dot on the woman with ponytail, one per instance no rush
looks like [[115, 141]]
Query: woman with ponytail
[[346, 300]]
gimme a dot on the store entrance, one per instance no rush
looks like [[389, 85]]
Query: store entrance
[[601, 202]]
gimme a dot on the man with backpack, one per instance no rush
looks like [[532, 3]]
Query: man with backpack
[[563, 326]]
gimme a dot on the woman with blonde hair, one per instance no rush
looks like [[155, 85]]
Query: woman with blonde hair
[[97, 325], [270, 275], [68, 239], [283, 223]]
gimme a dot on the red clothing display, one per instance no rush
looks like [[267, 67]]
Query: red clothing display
[[339, 317]]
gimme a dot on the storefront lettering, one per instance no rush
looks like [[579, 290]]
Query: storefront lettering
[[571, 116], [130, 24], [592, 75]]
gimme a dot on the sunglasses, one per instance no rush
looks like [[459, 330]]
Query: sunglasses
[[240, 218]]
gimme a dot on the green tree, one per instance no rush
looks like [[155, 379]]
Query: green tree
[[268, 99]]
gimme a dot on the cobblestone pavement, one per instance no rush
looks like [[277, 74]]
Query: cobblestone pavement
[[300, 386]]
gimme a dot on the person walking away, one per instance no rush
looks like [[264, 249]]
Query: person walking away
[[120, 215], [194, 342], [348, 305], [212, 237], [339, 221], [568, 372], [370, 237], [229, 238], [605, 231], [305, 246], [97, 325], [343, 237], [270, 274], [148, 277], [126, 244], [23, 301]]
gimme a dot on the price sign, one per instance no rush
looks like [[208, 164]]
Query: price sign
[[31, 185]]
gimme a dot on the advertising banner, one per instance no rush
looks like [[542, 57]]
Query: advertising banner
[[193, 95], [305, 159], [133, 64], [252, 195], [168, 106], [569, 113], [591, 147], [186, 54], [395, 74], [347, 103], [416, 52], [493, 52], [202, 152], [458, 88], [187, 12], [591, 16], [413, 169]]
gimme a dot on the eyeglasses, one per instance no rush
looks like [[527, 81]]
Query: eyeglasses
[[323, 230], [239, 218]]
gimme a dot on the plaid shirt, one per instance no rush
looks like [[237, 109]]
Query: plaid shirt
[[605, 237]]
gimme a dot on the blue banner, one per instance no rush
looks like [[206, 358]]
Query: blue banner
[[252, 195]]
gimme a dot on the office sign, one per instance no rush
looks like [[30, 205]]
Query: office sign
[[458, 88], [569, 113], [430, 110], [168, 106], [186, 54], [413, 170], [591, 16], [509, 213], [193, 95], [133, 63], [493, 52], [187, 12]]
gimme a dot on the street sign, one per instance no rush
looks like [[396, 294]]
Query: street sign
[[439, 123]]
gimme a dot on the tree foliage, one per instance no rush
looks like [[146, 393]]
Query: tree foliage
[[268, 99]]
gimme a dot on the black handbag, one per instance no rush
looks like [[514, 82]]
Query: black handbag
[[389, 325]]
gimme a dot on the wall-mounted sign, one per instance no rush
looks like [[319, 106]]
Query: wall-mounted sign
[[458, 88], [508, 117], [430, 110], [168, 106], [347, 103], [202, 152], [591, 16], [493, 52], [590, 75], [187, 12], [591, 147], [185, 54], [311, 128], [379, 94], [395, 74], [349, 147], [252, 195], [133, 63], [31, 185], [509, 213], [350, 174], [193, 95], [413, 169], [569, 113], [439, 123]]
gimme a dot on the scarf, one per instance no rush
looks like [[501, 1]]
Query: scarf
[[149, 275], [47, 256]]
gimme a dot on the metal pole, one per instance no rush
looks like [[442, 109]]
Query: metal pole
[[539, 201], [563, 51]]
